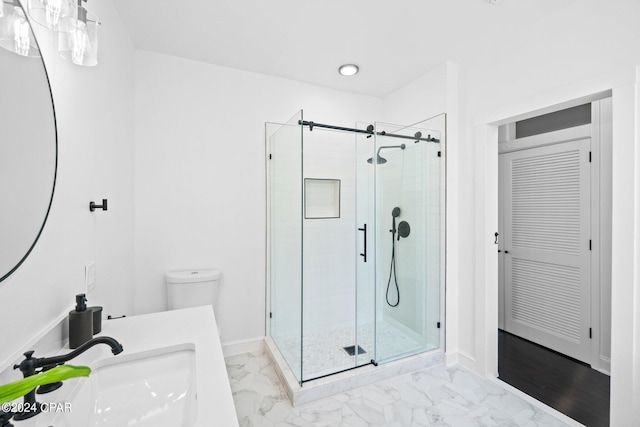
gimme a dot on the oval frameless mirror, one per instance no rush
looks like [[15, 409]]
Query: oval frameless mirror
[[28, 149]]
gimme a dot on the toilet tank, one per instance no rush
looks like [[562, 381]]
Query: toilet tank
[[192, 288]]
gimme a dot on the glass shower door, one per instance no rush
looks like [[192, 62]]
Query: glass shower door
[[408, 232], [284, 175], [330, 336], [365, 258]]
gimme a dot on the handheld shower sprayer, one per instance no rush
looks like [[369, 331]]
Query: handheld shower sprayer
[[395, 213], [403, 229]]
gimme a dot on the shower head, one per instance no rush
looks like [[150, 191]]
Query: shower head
[[379, 160], [395, 212]]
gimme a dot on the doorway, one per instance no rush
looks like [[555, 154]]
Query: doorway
[[555, 257]]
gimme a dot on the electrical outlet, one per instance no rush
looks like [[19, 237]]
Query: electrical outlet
[[90, 276]]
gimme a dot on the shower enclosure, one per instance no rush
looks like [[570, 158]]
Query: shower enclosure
[[355, 243]]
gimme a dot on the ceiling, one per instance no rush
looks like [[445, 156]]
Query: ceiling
[[393, 41]]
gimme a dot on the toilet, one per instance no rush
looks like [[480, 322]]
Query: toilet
[[193, 288]]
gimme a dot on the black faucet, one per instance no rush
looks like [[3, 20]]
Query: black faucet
[[29, 365], [5, 419]]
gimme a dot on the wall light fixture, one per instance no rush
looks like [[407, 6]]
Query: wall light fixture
[[55, 15], [76, 27], [15, 33], [80, 44]]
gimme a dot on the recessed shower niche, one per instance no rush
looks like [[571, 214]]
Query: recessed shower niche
[[365, 287], [321, 198]]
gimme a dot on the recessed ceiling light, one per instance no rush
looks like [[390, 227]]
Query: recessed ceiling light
[[348, 70]]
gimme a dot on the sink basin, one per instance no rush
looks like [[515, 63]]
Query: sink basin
[[150, 388]]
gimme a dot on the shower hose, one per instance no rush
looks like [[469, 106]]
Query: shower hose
[[392, 270]]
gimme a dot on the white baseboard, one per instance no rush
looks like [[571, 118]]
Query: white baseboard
[[243, 346], [460, 357], [451, 359], [605, 365], [467, 360]]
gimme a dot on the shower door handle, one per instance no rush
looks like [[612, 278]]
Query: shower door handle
[[364, 229]]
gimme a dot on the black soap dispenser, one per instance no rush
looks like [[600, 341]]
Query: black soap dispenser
[[80, 323]]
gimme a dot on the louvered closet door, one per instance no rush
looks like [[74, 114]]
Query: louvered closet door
[[546, 224]]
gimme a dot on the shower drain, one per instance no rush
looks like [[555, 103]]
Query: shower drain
[[351, 350]]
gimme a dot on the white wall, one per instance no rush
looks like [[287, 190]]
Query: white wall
[[200, 159], [421, 99], [94, 110]]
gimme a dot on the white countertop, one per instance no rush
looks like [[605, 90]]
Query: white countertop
[[196, 326]]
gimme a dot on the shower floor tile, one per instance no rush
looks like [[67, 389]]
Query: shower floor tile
[[324, 353]]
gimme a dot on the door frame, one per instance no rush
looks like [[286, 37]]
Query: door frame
[[599, 132], [624, 87]]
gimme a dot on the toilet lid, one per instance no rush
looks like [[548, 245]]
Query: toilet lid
[[191, 276]]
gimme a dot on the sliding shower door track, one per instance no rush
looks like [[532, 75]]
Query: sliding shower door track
[[340, 372], [369, 131]]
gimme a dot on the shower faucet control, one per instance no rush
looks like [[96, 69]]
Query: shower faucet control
[[403, 229]]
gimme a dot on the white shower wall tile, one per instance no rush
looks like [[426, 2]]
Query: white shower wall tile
[[436, 396], [329, 245]]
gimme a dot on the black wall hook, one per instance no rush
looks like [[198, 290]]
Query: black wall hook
[[103, 206]]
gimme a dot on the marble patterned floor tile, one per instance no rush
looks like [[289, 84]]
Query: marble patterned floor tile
[[433, 397]]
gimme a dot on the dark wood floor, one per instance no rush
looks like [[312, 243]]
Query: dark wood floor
[[565, 384]]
